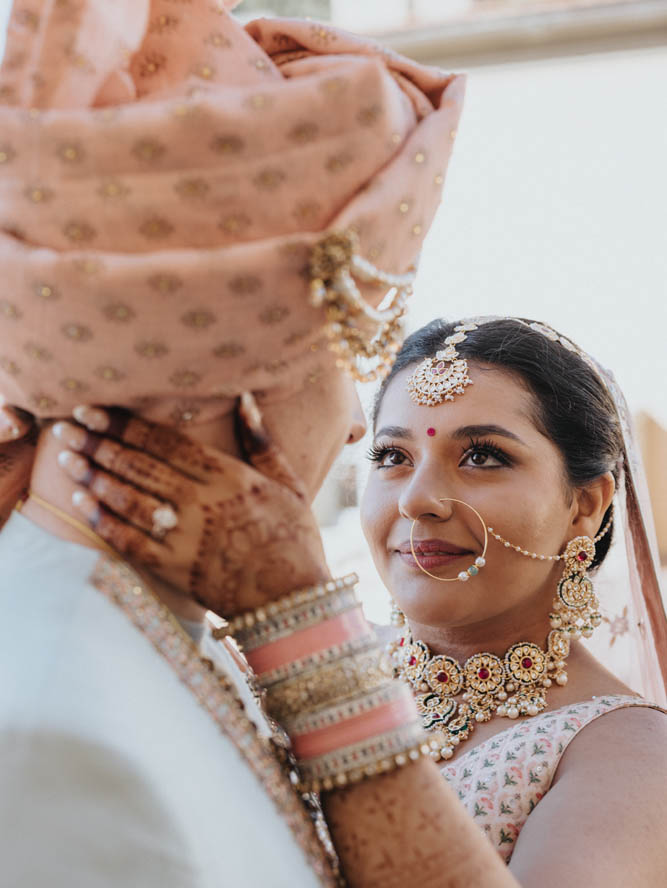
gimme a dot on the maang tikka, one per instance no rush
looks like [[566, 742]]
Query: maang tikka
[[439, 378]]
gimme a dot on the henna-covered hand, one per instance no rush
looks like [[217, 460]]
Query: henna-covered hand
[[244, 534]]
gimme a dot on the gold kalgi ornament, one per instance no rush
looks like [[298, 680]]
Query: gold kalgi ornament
[[357, 331]]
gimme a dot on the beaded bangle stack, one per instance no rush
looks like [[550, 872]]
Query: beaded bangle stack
[[318, 661]]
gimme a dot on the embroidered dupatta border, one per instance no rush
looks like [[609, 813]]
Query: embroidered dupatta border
[[217, 696]]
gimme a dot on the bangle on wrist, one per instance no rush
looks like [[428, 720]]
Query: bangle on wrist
[[319, 663], [260, 615]]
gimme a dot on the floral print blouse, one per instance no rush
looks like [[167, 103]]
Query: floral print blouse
[[501, 780]]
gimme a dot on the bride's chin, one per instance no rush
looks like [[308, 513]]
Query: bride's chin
[[432, 603]]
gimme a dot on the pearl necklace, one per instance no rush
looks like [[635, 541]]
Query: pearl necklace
[[488, 685]]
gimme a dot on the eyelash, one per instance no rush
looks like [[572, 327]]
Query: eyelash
[[488, 448], [377, 452]]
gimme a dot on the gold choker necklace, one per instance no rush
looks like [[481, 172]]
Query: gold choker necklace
[[488, 685]]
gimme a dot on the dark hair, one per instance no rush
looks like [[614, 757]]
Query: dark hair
[[573, 406]]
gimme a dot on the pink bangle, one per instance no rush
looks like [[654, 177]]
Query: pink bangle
[[345, 627], [353, 730], [319, 663]]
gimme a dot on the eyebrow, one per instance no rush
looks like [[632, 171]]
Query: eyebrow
[[468, 431], [472, 431], [394, 432]]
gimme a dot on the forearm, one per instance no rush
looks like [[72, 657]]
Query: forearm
[[408, 826], [358, 740]]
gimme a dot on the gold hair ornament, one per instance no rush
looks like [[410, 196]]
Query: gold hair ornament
[[355, 329], [439, 378], [474, 568]]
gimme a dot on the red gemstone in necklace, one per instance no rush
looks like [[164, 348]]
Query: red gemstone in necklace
[[483, 673], [582, 556], [442, 676], [526, 662], [412, 661], [401, 642]]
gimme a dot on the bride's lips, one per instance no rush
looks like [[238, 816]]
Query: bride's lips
[[431, 553]]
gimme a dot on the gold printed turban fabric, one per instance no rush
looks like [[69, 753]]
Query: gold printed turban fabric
[[164, 175]]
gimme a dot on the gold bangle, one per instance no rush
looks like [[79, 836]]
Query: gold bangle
[[300, 617], [355, 763], [326, 685], [281, 605], [306, 722], [317, 660]]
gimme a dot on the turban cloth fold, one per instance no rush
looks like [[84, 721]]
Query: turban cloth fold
[[164, 175]]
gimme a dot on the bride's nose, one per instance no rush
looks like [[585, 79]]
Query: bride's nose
[[425, 497]]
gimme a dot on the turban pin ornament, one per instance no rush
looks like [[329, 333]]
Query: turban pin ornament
[[355, 329]]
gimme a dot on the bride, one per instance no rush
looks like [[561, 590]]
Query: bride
[[500, 476]]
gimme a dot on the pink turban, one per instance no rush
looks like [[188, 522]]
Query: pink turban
[[164, 175]]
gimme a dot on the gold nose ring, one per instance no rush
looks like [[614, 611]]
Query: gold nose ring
[[474, 568]]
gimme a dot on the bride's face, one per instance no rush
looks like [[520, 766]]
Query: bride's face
[[483, 448]]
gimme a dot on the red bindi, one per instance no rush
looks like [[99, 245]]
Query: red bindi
[[430, 432]]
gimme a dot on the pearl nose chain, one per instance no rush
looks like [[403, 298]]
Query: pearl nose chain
[[535, 555]]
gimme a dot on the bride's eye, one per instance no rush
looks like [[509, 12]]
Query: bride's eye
[[484, 455], [386, 457]]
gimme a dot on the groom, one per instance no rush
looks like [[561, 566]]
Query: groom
[[125, 759]]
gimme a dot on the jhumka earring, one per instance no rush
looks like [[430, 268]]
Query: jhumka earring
[[576, 606]]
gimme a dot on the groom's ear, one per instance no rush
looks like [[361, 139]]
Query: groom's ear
[[260, 450]]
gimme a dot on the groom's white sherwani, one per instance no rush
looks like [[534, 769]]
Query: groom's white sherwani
[[111, 773]]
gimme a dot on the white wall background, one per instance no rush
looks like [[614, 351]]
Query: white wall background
[[556, 208]]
